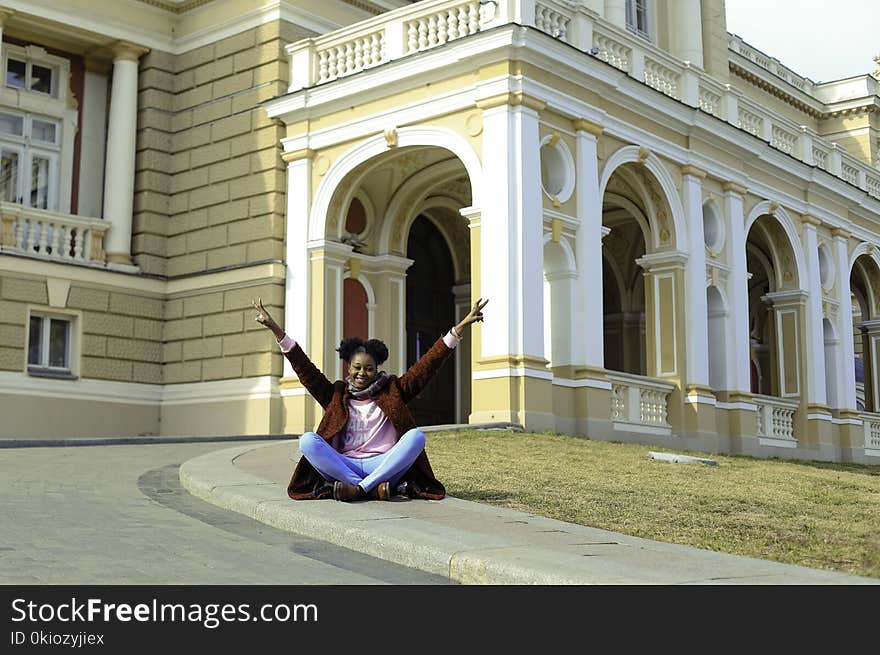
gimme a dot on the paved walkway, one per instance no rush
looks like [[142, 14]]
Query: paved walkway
[[469, 542], [117, 515]]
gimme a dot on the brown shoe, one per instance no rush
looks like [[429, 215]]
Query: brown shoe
[[381, 491], [347, 492]]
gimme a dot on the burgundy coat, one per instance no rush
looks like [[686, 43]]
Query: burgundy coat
[[306, 482]]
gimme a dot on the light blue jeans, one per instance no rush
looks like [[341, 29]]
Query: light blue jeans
[[368, 472]]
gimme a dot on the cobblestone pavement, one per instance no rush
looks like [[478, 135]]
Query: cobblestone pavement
[[117, 514]]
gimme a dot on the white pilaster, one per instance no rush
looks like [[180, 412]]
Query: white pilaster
[[511, 252], [615, 12], [697, 353], [815, 363], [738, 375], [296, 283], [120, 158], [686, 31], [588, 348], [846, 369]]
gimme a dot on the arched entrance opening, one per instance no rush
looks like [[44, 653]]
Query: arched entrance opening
[[396, 253], [864, 285], [430, 313], [774, 310]]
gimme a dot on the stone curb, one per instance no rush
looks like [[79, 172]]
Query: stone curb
[[473, 543]]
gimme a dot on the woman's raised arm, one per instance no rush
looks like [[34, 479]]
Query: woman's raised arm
[[311, 377]]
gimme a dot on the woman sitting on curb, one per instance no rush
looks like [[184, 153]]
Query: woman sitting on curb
[[367, 442]]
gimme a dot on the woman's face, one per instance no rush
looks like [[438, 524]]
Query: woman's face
[[363, 370]]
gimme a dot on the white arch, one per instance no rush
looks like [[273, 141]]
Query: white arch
[[630, 154], [725, 305], [783, 218], [622, 202], [568, 255], [864, 248], [435, 174], [427, 135]]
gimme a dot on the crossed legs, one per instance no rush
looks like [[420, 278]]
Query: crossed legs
[[367, 472]]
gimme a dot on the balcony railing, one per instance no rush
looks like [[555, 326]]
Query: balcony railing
[[50, 235], [776, 421], [639, 401], [871, 423], [433, 23]]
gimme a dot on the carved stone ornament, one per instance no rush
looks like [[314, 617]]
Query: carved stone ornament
[[644, 153], [391, 137]]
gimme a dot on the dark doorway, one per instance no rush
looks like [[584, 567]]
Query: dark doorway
[[430, 312]]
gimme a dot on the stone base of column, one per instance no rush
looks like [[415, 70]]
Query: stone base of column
[[119, 258], [698, 424], [298, 407], [736, 418], [524, 400]]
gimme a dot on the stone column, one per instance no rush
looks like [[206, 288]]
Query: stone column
[[588, 349], [512, 228], [815, 364], [120, 158], [296, 284], [846, 380], [737, 365], [512, 374], [697, 353], [686, 31]]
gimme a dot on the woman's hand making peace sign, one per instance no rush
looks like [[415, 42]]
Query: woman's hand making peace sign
[[476, 314]]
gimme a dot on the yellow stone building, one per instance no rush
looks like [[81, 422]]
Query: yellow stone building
[[679, 235]]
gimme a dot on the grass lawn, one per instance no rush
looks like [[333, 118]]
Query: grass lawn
[[816, 514]]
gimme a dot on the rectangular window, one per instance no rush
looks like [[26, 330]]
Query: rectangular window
[[30, 76], [637, 17], [16, 73], [49, 345], [9, 191], [29, 160]]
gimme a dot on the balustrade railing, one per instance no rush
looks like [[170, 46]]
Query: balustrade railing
[[871, 423], [429, 24], [639, 400], [50, 235], [776, 420]]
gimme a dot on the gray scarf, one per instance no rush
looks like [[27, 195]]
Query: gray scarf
[[377, 386]]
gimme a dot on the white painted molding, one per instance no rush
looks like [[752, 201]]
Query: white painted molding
[[577, 384], [133, 393], [512, 373], [127, 393], [749, 407]]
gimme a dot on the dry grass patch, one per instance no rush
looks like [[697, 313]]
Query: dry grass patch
[[814, 514]]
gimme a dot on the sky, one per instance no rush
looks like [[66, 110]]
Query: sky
[[820, 39]]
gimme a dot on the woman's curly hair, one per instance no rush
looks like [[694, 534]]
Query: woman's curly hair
[[350, 346]]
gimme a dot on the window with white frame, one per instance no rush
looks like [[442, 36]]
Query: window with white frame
[[30, 149], [35, 143], [637, 17], [35, 76], [50, 339]]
